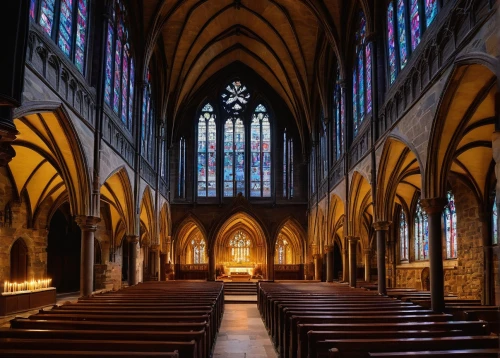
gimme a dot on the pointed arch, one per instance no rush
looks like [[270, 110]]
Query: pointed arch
[[467, 111], [50, 158], [185, 232], [359, 199], [292, 231], [117, 192], [146, 215], [399, 177]]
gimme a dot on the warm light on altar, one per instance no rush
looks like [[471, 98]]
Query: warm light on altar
[[26, 286]]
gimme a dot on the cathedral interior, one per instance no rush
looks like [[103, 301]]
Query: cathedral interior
[[245, 140]]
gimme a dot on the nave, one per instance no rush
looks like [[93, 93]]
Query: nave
[[188, 319]]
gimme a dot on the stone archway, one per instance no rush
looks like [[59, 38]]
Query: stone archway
[[240, 249]]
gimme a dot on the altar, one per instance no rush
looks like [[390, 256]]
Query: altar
[[239, 270]]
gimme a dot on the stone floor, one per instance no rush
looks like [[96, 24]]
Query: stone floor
[[243, 334]]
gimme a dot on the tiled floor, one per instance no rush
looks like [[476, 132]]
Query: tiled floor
[[242, 334]]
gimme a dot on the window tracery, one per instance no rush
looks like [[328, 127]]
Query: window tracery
[[260, 146], [198, 247], [421, 233], [403, 236], [339, 115], [240, 247], [66, 22], [281, 250], [450, 226], [147, 123], [207, 150]]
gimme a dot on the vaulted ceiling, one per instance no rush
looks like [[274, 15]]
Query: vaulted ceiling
[[281, 40]]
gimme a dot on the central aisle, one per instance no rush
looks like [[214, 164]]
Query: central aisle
[[243, 334]]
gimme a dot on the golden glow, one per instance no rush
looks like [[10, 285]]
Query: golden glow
[[26, 286]]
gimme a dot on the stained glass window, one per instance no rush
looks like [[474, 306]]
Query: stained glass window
[[147, 123], [414, 24], [403, 236], [33, 8], [240, 246], [391, 42], [362, 82], [494, 222], [285, 165], [401, 20], [290, 166], [198, 247], [430, 11], [450, 227], [282, 251], [66, 22], [207, 150], [119, 79], [260, 153], [421, 233], [182, 168], [47, 16], [235, 98], [406, 20], [234, 157], [339, 117], [323, 156]]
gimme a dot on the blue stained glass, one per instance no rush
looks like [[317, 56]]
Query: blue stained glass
[[228, 158], [32, 8], [338, 130], [131, 92], [47, 16], [450, 220], [401, 17], [109, 66], [255, 173], [81, 35], [65, 26], [285, 162], [266, 157], [125, 74], [414, 24], [391, 42], [368, 59], [361, 86], [421, 234], [403, 236], [355, 102], [430, 11], [118, 60]]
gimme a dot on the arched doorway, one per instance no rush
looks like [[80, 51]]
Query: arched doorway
[[289, 252], [240, 249], [63, 251], [19, 261]]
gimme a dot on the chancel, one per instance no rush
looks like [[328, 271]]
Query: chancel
[[226, 178]]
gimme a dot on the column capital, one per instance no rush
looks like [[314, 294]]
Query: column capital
[[134, 239], [352, 238], [87, 223], [328, 248], [381, 225], [317, 256], [434, 205]]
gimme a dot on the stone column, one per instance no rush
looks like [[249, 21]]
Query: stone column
[[88, 226], [132, 277], [353, 245], [270, 265], [345, 261], [317, 266], [211, 265], [434, 208], [488, 284], [162, 268], [381, 228], [329, 263], [367, 253]]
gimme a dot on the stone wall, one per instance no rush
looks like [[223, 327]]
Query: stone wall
[[467, 280]]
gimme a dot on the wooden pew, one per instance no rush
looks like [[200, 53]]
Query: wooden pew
[[467, 353], [350, 348], [299, 346], [25, 353], [174, 336]]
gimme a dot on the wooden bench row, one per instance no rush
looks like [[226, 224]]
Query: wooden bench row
[[333, 320], [157, 319]]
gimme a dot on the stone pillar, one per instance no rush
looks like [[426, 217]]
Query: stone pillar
[[88, 226], [132, 277], [211, 265], [434, 208], [317, 266], [270, 265], [381, 228], [162, 268], [488, 284], [367, 253], [345, 261], [329, 263], [353, 245]]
